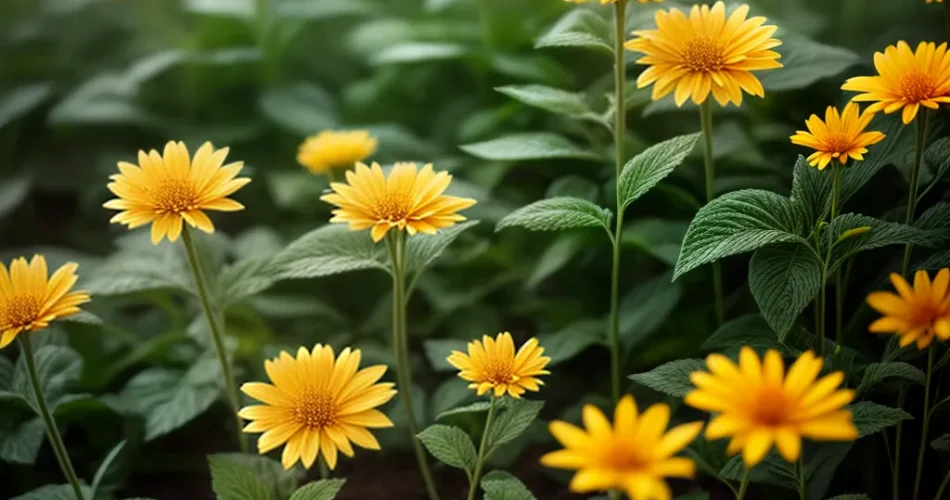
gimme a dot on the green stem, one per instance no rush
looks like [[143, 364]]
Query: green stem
[[51, 430], [482, 450], [943, 486], [396, 243], [743, 486], [613, 494], [800, 471], [217, 331], [620, 125], [926, 424], [899, 434], [820, 331], [324, 470], [923, 122], [839, 285], [706, 120]]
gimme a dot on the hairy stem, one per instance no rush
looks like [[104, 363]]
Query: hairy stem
[[706, 120], [923, 123], [482, 449], [926, 423]]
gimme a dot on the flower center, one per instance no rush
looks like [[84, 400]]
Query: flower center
[[770, 407], [916, 87], [315, 410], [703, 55], [624, 456], [499, 372], [20, 310], [837, 142], [393, 207], [174, 196], [925, 314]]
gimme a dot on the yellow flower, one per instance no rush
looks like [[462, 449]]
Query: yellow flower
[[917, 314], [165, 189], [758, 404], [839, 136], [634, 455], [317, 403], [906, 80], [409, 199], [705, 53], [493, 365], [604, 2], [932, 1], [28, 301], [332, 149]]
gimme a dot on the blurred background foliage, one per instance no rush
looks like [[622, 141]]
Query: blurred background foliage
[[464, 84]]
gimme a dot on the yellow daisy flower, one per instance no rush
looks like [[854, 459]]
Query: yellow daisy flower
[[332, 149], [28, 301], [839, 137], [917, 314], [493, 365], [932, 1], [409, 199], [633, 455], [906, 80], [317, 403], [166, 189], [705, 53], [758, 404]]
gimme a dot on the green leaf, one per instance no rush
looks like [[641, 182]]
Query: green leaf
[[875, 373], [937, 157], [936, 218], [108, 467], [476, 407], [871, 418], [881, 234], [942, 443], [804, 62], [578, 28], [21, 444], [516, 416], [500, 485], [319, 490], [738, 222], [13, 192], [58, 370], [232, 480], [301, 108], [811, 189], [22, 100], [450, 445], [772, 470], [784, 279], [572, 104], [648, 168], [555, 257], [271, 475], [245, 278], [161, 268], [750, 330], [54, 492], [645, 308], [671, 378], [528, 146], [936, 261], [414, 52], [423, 249], [571, 340], [330, 249], [557, 214]]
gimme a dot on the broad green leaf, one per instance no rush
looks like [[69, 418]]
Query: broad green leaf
[[516, 416], [233, 480], [132, 271], [555, 257], [572, 104], [301, 108], [804, 62], [423, 249], [276, 480], [876, 373], [319, 490], [750, 330], [671, 378], [772, 470], [58, 370], [578, 28], [528, 146], [648, 168], [438, 349], [330, 249], [572, 340], [108, 467], [22, 100], [646, 308], [937, 157], [784, 279], [500, 485], [557, 214], [21, 444], [738, 222], [54, 492], [936, 218], [414, 52], [942, 443], [450, 445], [245, 278], [476, 407], [882, 233], [871, 418], [658, 237], [811, 189]]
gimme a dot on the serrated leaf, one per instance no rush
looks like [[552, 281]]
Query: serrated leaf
[[937, 157], [875, 373], [233, 480], [648, 168], [572, 104], [881, 234], [450, 445], [500, 485], [476, 407], [671, 378], [738, 222], [750, 330], [871, 418], [936, 218], [423, 249], [772, 470], [557, 214], [528, 146], [804, 62], [244, 278], [326, 489], [942, 443], [131, 271], [58, 370], [578, 28], [513, 420], [330, 249], [784, 278]]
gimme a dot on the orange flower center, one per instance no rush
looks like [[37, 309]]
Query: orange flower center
[[315, 410], [770, 407], [175, 196], [392, 207], [837, 142], [20, 310], [499, 372], [925, 313], [916, 87], [703, 55], [620, 455]]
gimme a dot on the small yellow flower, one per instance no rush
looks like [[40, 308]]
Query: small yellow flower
[[838, 137], [165, 190], [906, 80], [493, 365], [317, 403], [633, 455], [332, 149], [28, 301], [932, 1], [758, 404], [409, 199], [604, 2], [917, 314], [705, 52]]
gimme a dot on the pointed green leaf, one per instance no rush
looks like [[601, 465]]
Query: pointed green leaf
[[330, 249], [319, 490], [423, 249], [671, 378], [578, 28], [450, 445], [550, 99], [500, 485], [871, 418], [514, 418], [557, 214], [875, 373], [528, 146], [648, 168], [881, 234], [232, 480], [784, 278]]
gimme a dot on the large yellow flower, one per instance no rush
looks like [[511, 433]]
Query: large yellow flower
[[758, 404], [705, 53], [332, 149], [838, 137], [28, 301], [409, 199], [165, 190], [917, 314], [317, 403], [906, 80], [493, 365], [633, 455]]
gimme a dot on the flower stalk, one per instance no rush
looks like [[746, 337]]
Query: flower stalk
[[926, 423], [923, 123], [482, 449], [743, 486], [706, 122], [839, 283]]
